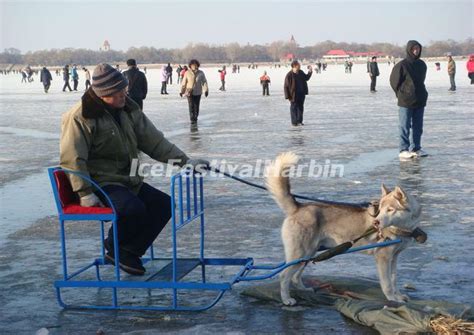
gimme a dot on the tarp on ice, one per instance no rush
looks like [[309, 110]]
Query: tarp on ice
[[363, 301]]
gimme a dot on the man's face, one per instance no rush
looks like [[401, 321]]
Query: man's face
[[193, 67], [116, 100], [416, 50], [296, 68]]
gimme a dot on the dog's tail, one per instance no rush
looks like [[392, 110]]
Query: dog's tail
[[278, 182]]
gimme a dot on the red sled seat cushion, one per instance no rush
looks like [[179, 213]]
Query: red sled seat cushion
[[77, 209], [70, 200]]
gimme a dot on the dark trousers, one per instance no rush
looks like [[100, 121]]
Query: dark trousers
[[194, 102], [222, 88], [76, 82], [66, 85], [170, 79], [373, 82], [266, 89], [453, 83], [471, 76], [46, 87], [163, 87], [88, 83], [141, 217], [296, 110], [138, 101]]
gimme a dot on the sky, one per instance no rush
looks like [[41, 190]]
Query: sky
[[37, 25]]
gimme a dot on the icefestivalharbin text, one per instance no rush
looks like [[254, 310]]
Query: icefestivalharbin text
[[312, 169]]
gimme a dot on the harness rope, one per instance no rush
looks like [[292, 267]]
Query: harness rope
[[297, 196]]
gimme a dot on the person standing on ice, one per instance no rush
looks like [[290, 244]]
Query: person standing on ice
[[223, 73], [169, 70], [296, 89], [137, 83], [178, 73], [88, 77], [24, 76], [75, 77], [183, 72], [408, 82], [373, 73], [164, 80], [470, 68], [46, 78], [265, 82], [193, 84], [452, 72], [66, 79], [101, 138]]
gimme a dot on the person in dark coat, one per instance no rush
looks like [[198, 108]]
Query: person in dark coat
[[46, 78], [66, 79], [408, 82], [169, 70], [373, 73], [137, 83], [296, 89]]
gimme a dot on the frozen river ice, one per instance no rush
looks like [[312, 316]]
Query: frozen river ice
[[344, 123]]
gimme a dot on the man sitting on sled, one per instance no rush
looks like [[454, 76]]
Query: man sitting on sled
[[100, 138]]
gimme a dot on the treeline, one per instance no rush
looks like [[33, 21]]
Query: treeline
[[228, 53]]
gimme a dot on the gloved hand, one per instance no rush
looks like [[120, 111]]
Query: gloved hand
[[181, 95], [91, 200], [206, 94], [198, 165]]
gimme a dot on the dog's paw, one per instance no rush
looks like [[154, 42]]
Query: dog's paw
[[289, 302]]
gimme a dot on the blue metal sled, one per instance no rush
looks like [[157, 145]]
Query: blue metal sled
[[187, 203]]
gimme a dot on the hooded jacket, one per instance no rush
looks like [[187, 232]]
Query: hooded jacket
[[408, 79], [102, 146]]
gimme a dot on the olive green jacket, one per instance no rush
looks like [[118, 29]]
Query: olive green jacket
[[451, 67], [96, 145]]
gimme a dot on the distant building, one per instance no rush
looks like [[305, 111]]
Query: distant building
[[289, 57], [336, 54], [342, 54], [291, 51], [105, 46]]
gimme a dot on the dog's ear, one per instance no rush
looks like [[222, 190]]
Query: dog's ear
[[399, 194], [385, 190]]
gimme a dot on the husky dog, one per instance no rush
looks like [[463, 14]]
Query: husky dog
[[309, 226]]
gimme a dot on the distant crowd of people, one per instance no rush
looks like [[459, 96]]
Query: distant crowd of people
[[406, 79]]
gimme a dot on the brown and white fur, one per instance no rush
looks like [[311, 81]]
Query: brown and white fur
[[309, 226]]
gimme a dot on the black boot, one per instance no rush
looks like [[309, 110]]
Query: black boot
[[128, 262]]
